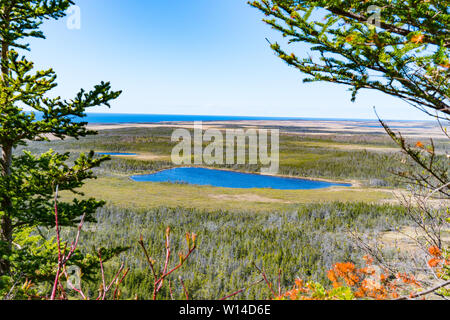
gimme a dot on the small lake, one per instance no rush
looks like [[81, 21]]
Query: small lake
[[232, 179]]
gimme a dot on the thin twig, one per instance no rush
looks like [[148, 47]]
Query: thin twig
[[263, 273], [424, 293], [184, 288], [102, 295], [119, 283], [242, 290], [58, 240]]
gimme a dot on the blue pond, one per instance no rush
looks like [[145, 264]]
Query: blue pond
[[116, 154], [231, 179]]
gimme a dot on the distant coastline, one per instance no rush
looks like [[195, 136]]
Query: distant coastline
[[412, 128], [124, 118]]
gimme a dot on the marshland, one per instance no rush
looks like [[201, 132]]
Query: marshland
[[300, 232]]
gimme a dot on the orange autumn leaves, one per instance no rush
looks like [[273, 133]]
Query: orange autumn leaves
[[429, 149], [374, 39], [350, 282], [417, 38], [345, 271], [367, 282], [420, 145], [437, 259], [370, 282]]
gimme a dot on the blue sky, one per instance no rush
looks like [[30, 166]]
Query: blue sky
[[192, 57]]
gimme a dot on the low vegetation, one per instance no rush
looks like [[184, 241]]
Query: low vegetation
[[240, 232], [232, 245], [300, 156]]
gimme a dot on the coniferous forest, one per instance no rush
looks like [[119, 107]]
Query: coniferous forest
[[79, 220]]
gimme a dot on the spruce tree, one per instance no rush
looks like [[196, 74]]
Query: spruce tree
[[397, 47], [28, 181]]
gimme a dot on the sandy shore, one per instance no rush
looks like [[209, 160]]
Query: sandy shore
[[417, 129]]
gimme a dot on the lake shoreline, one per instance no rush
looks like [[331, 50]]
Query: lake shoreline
[[195, 175], [353, 183]]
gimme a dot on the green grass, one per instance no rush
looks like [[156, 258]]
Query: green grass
[[125, 193]]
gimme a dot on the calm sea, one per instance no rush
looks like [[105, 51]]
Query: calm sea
[[155, 118], [115, 118]]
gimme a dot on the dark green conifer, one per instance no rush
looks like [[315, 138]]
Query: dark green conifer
[[27, 181]]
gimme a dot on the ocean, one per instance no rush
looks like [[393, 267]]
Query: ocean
[[112, 118], [107, 118], [124, 118]]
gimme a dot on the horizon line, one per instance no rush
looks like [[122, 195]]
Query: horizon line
[[257, 116]]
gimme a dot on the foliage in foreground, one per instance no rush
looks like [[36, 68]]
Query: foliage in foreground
[[371, 282], [347, 282], [398, 47], [303, 243], [27, 181]]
